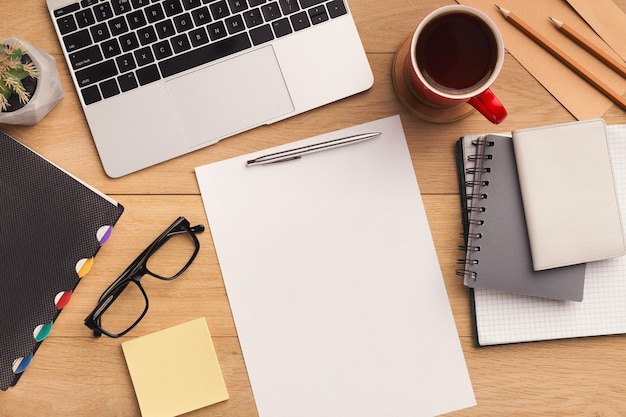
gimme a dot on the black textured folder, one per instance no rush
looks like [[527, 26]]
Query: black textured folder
[[51, 227]]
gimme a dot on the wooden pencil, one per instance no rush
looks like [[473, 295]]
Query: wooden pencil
[[590, 47], [563, 57]]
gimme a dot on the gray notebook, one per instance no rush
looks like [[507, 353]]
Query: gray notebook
[[498, 253]]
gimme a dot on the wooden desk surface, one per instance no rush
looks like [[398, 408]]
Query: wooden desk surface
[[74, 374]]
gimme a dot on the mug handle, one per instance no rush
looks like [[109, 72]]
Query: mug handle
[[489, 106]]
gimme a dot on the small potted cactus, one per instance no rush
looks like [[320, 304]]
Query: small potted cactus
[[18, 77], [30, 85]]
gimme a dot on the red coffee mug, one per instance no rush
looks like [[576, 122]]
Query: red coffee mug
[[456, 54]]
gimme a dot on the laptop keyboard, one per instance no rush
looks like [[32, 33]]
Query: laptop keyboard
[[116, 46]]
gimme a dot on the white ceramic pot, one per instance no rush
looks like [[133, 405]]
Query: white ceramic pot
[[48, 93]]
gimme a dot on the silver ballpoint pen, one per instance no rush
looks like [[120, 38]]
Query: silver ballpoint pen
[[304, 150]]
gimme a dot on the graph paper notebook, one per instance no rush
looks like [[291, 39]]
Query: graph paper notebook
[[502, 317], [52, 227], [498, 253]]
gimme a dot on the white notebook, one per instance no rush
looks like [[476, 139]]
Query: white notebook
[[334, 282], [569, 195], [502, 317]]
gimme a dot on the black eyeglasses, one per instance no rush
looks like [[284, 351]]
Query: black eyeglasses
[[166, 259]]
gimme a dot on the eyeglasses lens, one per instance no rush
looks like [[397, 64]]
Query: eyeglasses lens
[[126, 310], [173, 256]]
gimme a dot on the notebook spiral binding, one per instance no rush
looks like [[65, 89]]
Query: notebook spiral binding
[[474, 193]]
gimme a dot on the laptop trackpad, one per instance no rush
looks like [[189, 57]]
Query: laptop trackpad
[[232, 96]]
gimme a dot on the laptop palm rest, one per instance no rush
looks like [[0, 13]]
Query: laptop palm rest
[[238, 94]]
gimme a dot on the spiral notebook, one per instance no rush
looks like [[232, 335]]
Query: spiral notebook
[[52, 227], [502, 317], [497, 249]]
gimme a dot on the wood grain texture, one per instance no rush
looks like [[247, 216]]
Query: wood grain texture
[[74, 374]]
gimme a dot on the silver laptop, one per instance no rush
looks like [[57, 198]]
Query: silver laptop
[[161, 78]]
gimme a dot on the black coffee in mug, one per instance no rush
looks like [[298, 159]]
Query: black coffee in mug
[[456, 52]]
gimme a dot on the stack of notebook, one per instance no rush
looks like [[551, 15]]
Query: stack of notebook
[[543, 231]]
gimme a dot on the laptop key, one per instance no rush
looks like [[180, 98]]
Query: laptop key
[[111, 48], [100, 32], [191, 4], [309, 3], [127, 81], [235, 24], [289, 6], [136, 19], [77, 40], [336, 8], [162, 49], [219, 10], [85, 57], [300, 21], [140, 3], [118, 26], [126, 62], [66, 10], [198, 37], [201, 16], [147, 75], [85, 18], [205, 54], [154, 13], [147, 35], [281, 27], [261, 34], [96, 73], [129, 42], [271, 11], [121, 6], [66, 24], [237, 6], [180, 43], [109, 88], [217, 31], [91, 94], [172, 7], [318, 14], [144, 56], [183, 22], [165, 29], [253, 17], [103, 11]]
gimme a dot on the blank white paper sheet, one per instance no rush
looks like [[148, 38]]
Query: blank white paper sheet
[[334, 283]]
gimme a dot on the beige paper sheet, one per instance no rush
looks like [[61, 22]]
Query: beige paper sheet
[[175, 370], [574, 93], [608, 20]]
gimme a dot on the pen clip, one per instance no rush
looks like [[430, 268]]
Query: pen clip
[[283, 160], [259, 161]]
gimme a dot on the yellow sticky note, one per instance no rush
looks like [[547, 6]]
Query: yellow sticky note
[[175, 370]]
